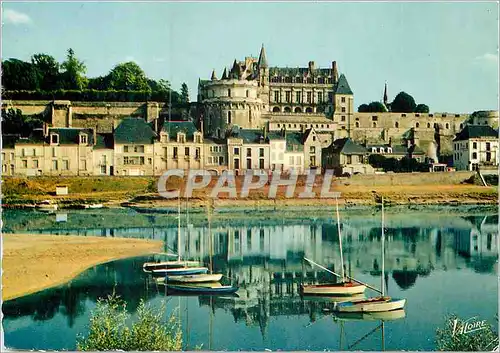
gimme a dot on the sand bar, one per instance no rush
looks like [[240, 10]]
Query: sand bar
[[34, 262]]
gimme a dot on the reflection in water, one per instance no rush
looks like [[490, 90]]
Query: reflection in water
[[266, 263]]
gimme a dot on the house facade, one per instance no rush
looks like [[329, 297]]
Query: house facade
[[476, 147]]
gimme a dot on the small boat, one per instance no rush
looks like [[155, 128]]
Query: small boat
[[180, 271], [150, 266], [375, 304], [345, 288], [46, 205], [331, 299], [197, 278], [202, 289], [94, 205], [371, 316]]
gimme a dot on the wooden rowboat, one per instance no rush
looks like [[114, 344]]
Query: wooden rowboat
[[375, 304], [180, 271], [196, 278], [345, 288]]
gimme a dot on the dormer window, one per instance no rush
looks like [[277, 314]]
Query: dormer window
[[163, 137], [381, 150], [374, 149], [389, 149], [181, 137], [83, 139], [54, 139], [197, 138]]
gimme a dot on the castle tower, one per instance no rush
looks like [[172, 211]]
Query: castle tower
[[343, 104], [263, 77], [385, 94]]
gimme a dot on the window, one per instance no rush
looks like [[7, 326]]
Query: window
[[321, 80], [309, 97], [396, 125], [261, 163], [342, 99], [288, 96], [25, 163], [125, 149], [320, 97], [488, 156], [417, 115], [65, 165], [139, 149], [248, 93], [83, 164], [374, 118], [428, 125], [54, 138], [197, 153], [343, 109], [297, 97], [374, 124], [276, 96], [389, 149], [249, 163], [34, 151], [381, 150], [474, 155], [249, 152], [403, 115], [54, 165], [288, 79], [261, 152], [175, 152], [35, 163], [447, 125], [221, 160], [488, 146], [357, 123], [290, 160], [349, 159], [186, 151], [298, 159], [141, 160], [83, 139], [330, 97], [229, 118], [312, 149], [374, 150], [229, 93], [299, 79], [197, 138], [474, 145], [314, 138], [417, 124], [237, 150], [342, 118], [103, 169]]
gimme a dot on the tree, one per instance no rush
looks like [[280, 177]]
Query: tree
[[184, 93], [422, 108], [73, 72], [47, 69], [128, 76], [109, 329], [363, 108], [403, 103], [14, 122], [19, 75], [448, 339]]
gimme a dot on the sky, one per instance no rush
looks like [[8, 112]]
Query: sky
[[444, 54]]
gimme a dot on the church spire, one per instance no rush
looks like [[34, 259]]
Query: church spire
[[385, 94], [213, 75], [262, 64]]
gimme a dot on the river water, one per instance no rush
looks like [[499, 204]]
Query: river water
[[442, 260]]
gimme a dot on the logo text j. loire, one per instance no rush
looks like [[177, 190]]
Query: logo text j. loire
[[468, 326]]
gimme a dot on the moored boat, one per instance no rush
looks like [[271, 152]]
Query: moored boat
[[203, 289], [370, 316], [344, 288], [180, 271], [375, 304], [196, 278], [150, 266]]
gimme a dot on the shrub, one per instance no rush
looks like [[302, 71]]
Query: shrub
[[109, 330], [485, 339]]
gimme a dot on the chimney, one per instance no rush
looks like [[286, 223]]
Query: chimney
[[335, 73], [311, 66]]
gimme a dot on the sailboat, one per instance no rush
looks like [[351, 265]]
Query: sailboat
[[344, 287], [176, 267], [200, 283], [375, 304]]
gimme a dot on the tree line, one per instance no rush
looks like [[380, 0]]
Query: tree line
[[45, 78], [402, 103]]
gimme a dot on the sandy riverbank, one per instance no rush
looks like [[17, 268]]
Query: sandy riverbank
[[35, 262]]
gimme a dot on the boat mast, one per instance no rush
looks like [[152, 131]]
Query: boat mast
[[209, 237], [383, 259], [179, 230], [340, 241]]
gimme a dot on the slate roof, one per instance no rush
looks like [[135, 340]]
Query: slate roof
[[173, 127], [476, 131], [262, 58], [347, 146], [342, 86], [104, 141], [135, 131], [294, 142], [299, 71], [70, 135], [251, 136]]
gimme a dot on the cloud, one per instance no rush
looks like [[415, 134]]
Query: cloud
[[15, 17], [487, 58]]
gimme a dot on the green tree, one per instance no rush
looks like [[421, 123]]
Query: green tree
[[422, 108], [47, 69], [128, 76], [19, 75], [376, 107], [73, 72], [448, 339], [363, 108], [403, 103], [184, 93], [109, 329], [14, 122]]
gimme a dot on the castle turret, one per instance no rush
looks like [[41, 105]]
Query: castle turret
[[263, 77], [224, 75], [213, 78]]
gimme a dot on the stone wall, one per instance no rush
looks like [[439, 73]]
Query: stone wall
[[445, 178]]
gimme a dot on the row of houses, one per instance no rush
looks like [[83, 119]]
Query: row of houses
[[136, 148]]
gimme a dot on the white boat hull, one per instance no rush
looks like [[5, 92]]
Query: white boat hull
[[333, 289], [378, 304], [199, 278], [150, 266], [371, 316], [181, 271]]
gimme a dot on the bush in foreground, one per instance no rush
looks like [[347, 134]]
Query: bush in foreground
[[109, 329], [450, 338]]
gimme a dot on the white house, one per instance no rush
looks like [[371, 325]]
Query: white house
[[476, 146]]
